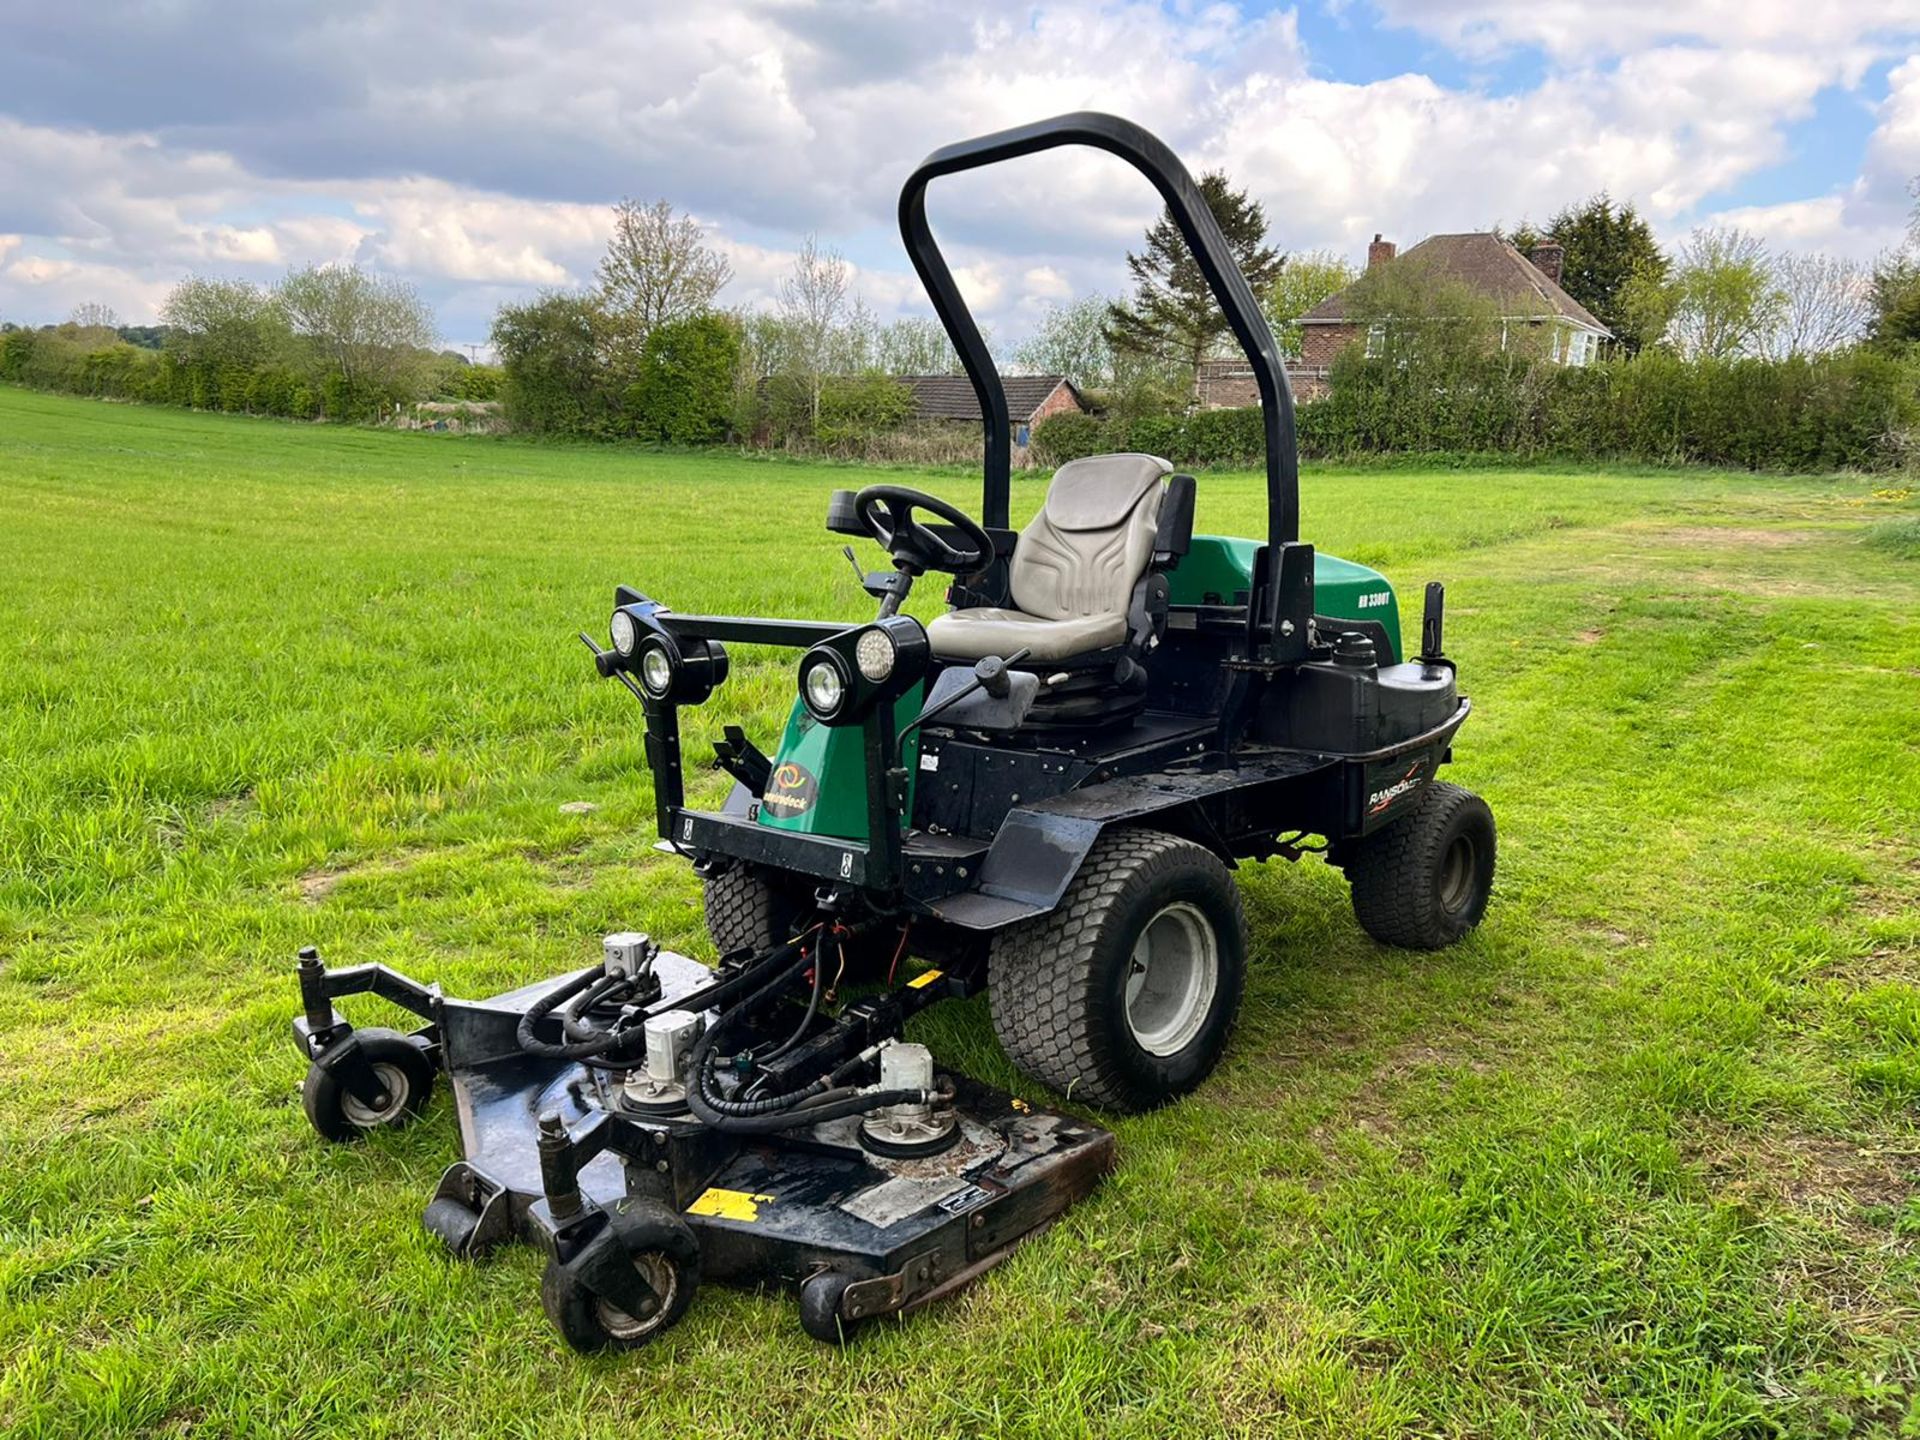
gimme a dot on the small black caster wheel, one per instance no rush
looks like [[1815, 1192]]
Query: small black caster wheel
[[405, 1075], [820, 1306], [666, 1256]]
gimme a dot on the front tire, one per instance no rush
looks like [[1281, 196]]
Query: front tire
[[1423, 882], [1124, 994], [747, 909]]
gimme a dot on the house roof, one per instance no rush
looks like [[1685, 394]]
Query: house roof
[[1487, 264], [951, 397]]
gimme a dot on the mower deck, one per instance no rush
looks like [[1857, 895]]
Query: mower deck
[[549, 1149]]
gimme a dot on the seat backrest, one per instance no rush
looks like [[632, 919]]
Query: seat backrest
[[1090, 544]]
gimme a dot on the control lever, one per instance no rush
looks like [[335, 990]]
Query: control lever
[[859, 571], [1432, 623], [990, 673]]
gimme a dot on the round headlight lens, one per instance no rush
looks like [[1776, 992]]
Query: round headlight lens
[[625, 633], [874, 654], [824, 688], [656, 672]]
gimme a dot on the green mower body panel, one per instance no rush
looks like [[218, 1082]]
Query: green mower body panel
[[819, 782], [1218, 570]]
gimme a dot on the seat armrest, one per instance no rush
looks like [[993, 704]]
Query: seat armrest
[[1174, 535]]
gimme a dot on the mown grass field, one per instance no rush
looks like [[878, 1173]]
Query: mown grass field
[[1640, 1158]]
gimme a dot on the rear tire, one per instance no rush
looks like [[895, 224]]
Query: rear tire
[[1423, 882], [1124, 994]]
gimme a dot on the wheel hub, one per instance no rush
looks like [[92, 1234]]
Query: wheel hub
[[662, 1278], [393, 1083], [1172, 978]]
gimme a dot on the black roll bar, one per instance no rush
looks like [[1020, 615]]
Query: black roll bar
[[1210, 250]]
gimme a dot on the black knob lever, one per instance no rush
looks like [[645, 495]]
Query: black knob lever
[[1433, 622]]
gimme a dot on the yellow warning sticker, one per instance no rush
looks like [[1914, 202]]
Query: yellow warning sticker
[[923, 979], [729, 1205]]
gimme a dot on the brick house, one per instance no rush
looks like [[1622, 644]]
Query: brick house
[[1534, 311], [1030, 399]]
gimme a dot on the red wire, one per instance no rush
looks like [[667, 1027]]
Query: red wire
[[894, 968]]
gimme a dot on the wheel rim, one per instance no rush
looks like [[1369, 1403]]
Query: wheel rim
[[393, 1080], [1456, 875], [663, 1278], [1171, 979]]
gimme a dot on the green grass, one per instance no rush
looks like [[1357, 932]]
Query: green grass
[[1638, 1158]]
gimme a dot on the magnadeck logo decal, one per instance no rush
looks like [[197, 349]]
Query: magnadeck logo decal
[[791, 790]]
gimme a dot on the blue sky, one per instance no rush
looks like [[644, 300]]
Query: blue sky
[[480, 159]]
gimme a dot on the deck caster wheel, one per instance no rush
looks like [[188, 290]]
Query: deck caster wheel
[[1422, 882], [399, 1067], [820, 1317], [666, 1258]]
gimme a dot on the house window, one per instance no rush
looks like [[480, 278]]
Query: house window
[[1555, 353], [1376, 340], [1581, 347]]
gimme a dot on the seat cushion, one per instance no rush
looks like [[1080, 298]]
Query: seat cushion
[[975, 634]]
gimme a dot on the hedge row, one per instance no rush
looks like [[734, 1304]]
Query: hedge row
[[97, 364], [1854, 410]]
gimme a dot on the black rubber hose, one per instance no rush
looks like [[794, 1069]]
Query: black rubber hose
[[573, 1015], [546, 1005], [821, 1109], [809, 1105]]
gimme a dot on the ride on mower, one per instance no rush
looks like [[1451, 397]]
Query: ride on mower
[[1042, 793]]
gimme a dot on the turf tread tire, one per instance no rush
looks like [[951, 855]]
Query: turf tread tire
[[744, 910], [1394, 873], [1043, 980]]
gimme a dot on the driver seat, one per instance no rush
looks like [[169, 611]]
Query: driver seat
[[1074, 568]]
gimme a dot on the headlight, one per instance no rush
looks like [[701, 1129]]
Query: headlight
[[874, 654], [625, 633], [823, 688], [656, 671]]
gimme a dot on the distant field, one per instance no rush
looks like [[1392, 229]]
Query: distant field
[[1640, 1158]]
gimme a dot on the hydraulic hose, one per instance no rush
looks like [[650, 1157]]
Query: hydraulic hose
[[546, 1005], [823, 1099]]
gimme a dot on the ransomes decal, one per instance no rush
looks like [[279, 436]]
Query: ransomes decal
[[791, 790], [1412, 780]]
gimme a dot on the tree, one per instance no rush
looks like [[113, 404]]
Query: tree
[[1071, 341], [222, 333], [814, 303], [372, 334], [1173, 316], [553, 352], [685, 391], [94, 316], [1895, 291], [658, 268], [1826, 304], [1421, 322], [1721, 299], [1608, 248], [1303, 282], [914, 345]]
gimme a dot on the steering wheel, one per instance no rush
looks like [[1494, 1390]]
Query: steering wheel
[[888, 513]]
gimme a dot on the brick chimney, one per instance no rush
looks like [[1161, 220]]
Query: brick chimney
[[1549, 257], [1380, 251]]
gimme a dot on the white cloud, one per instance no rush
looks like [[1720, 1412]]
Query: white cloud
[[1580, 31], [481, 160]]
